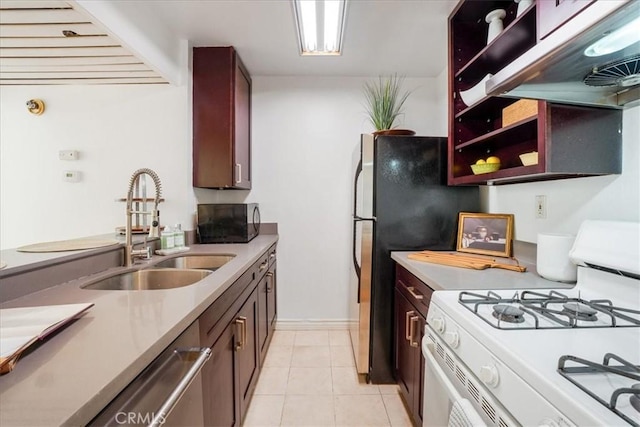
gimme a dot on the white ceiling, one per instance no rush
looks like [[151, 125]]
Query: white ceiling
[[382, 37]]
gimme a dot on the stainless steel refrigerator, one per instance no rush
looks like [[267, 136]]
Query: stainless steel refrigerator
[[400, 202]]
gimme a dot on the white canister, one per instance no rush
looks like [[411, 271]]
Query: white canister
[[553, 261], [522, 6], [494, 19]]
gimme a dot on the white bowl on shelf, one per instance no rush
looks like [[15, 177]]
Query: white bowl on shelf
[[476, 93], [529, 159]]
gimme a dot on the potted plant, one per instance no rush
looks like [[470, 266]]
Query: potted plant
[[385, 100]]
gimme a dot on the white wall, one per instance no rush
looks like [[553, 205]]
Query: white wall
[[570, 201], [305, 132], [116, 129]]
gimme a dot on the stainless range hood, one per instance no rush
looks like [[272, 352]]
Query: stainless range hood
[[555, 69]]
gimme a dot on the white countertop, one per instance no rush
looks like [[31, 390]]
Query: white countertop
[[73, 374], [442, 277]]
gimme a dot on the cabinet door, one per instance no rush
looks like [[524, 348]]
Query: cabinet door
[[263, 317], [242, 128], [272, 308], [221, 119], [247, 350], [405, 359], [219, 381], [266, 311]]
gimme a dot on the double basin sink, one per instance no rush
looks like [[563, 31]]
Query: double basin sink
[[168, 274]]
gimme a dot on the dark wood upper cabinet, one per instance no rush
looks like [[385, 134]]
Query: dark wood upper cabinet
[[221, 119], [570, 140]]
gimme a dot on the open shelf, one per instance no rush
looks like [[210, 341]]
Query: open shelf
[[520, 130], [516, 38]]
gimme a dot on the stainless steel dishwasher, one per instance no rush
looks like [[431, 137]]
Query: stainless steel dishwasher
[[168, 392]]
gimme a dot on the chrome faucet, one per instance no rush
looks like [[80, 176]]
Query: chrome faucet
[[145, 253]]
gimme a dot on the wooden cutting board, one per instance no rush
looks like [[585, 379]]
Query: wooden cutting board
[[67, 245], [455, 259]]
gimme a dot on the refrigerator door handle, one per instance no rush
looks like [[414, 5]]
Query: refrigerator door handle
[[356, 266], [355, 258], [355, 188]]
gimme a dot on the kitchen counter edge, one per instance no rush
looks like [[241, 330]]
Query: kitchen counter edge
[[446, 278]]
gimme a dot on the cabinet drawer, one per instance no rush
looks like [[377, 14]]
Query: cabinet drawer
[[261, 266], [272, 255], [412, 288], [215, 317]]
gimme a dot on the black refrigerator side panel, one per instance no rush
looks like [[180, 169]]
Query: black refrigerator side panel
[[414, 210]]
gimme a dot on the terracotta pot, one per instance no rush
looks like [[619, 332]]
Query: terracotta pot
[[394, 132]]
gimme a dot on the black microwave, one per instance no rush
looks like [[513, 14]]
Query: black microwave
[[228, 222]]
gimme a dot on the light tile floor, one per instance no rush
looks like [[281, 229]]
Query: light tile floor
[[309, 379]]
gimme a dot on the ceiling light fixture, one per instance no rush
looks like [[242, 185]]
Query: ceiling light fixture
[[320, 26], [615, 41]]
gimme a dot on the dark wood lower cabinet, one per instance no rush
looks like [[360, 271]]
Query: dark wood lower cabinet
[[412, 299], [267, 310], [247, 350], [238, 327], [272, 308], [219, 382]]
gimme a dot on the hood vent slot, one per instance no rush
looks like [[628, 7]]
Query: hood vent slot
[[622, 73]]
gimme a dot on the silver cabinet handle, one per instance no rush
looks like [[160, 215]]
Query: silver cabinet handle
[[413, 293], [412, 331], [242, 322], [238, 173], [263, 266], [269, 281], [407, 331], [160, 416]]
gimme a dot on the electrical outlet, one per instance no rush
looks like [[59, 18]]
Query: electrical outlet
[[71, 176], [541, 207]]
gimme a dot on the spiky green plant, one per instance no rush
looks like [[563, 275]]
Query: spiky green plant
[[385, 100]]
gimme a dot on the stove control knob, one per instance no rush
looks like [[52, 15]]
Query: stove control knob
[[438, 324], [548, 423], [489, 375], [452, 338]]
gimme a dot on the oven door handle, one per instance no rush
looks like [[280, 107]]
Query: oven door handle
[[432, 363]]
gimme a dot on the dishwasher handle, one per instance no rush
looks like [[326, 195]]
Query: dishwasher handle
[[168, 405]]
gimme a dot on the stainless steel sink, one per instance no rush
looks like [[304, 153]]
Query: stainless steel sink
[[151, 279], [207, 262]]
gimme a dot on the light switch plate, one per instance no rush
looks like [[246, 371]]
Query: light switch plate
[[68, 155]]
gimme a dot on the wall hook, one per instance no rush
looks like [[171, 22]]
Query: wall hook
[[35, 106]]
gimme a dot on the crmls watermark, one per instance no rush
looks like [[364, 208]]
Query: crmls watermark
[[135, 418]]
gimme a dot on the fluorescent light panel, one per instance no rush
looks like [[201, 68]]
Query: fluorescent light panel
[[320, 26]]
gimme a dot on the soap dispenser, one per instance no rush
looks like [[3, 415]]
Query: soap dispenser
[[178, 235], [167, 238]]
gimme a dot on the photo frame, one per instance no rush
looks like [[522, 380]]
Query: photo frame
[[486, 234]]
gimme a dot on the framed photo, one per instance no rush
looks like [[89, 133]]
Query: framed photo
[[486, 234]]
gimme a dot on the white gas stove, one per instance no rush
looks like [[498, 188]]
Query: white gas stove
[[534, 358]]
